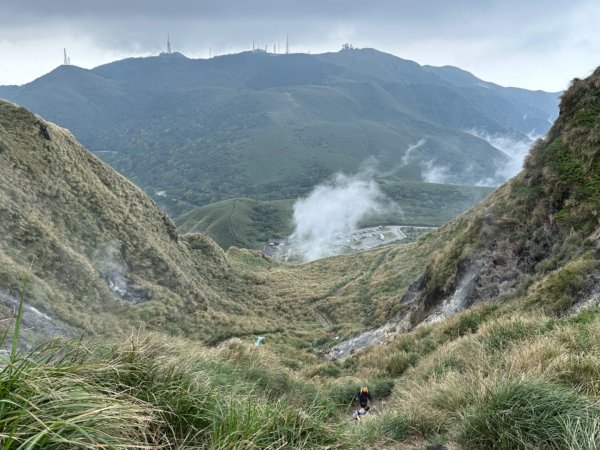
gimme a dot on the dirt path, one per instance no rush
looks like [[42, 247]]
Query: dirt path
[[231, 230], [322, 318]]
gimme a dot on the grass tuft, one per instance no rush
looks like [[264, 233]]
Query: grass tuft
[[530, 415]]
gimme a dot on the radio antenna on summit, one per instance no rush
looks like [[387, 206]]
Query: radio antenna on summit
[[287, 44], [67, 60], [168, 43]]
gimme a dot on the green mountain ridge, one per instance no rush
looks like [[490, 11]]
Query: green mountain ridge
[[273, 126]]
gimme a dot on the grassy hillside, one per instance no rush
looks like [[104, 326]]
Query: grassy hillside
[[542, 224], [270, 127], [102, 258], [250, 223], [242, 222], [497, 377]]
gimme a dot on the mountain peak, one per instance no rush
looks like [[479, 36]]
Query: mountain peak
[[172, 55]]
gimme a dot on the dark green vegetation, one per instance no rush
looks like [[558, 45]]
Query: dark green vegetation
[[518, 369], [271, 127], [250, 223]]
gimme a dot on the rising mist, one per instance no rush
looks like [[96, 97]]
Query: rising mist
[[331, 209]]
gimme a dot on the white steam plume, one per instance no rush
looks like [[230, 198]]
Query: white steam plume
[[331, 209], [436, 174], [408, 155], [109, 262], [516, 150], [430, 172]]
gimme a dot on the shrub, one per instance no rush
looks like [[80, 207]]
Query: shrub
[[398, 363], [380, 430]]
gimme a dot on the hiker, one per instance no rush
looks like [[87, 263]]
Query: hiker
[[364, 398]]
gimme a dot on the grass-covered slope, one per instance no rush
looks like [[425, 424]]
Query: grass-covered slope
[[542, 224], [494, 377], [242, 222], [102, 258], [96, 245]]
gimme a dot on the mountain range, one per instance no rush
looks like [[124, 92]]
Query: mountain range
[[272, 126]]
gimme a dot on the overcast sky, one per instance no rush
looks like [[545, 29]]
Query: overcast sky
[[536, 44]]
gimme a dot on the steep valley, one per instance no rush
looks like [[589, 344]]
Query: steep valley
[[491, 321]]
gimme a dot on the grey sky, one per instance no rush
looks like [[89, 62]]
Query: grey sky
[[537, 44]]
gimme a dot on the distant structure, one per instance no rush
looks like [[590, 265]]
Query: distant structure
[[168, 44], [67, 60], [287, 44], [347, 46]]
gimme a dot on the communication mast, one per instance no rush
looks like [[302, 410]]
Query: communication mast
[[168, 43], [287, 44], [67, 60]]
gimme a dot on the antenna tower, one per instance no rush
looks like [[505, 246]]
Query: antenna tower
[[168, 43], [67, 60], [287, 44]]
